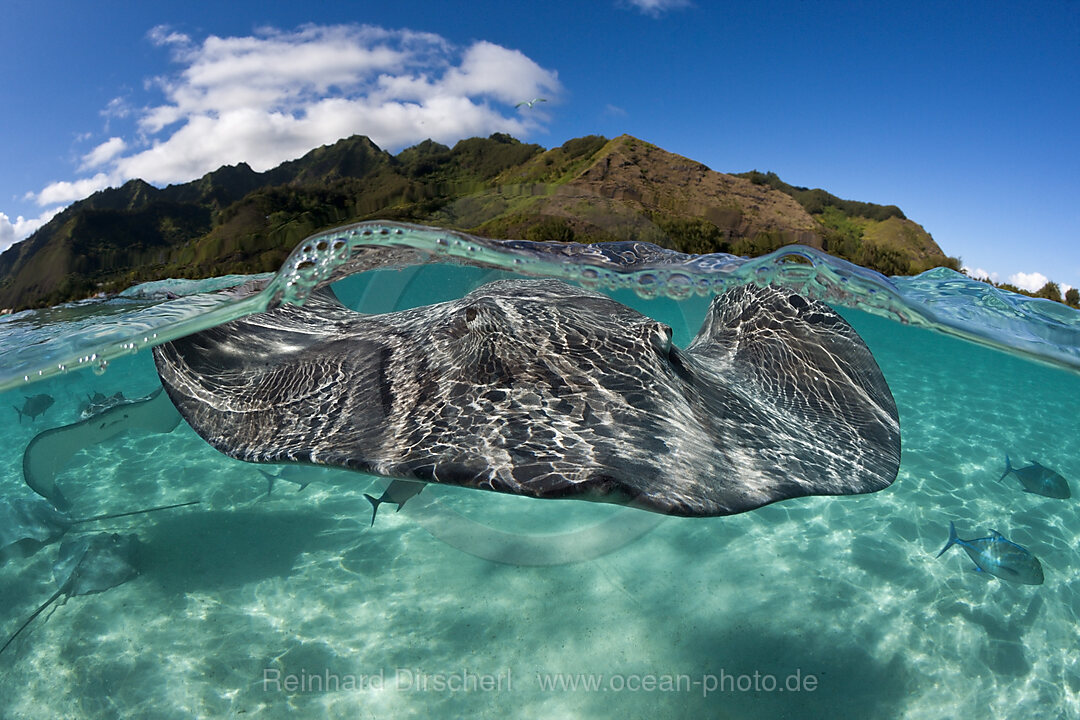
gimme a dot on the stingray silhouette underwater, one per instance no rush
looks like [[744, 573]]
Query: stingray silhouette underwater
[[87, 565], [49, 451], [543, 389], [29, 523]]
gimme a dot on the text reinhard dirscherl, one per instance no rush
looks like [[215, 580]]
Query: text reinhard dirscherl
[[465, 680], [402, 679]]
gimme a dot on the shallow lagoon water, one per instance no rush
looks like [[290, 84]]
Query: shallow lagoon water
[[423, 615]]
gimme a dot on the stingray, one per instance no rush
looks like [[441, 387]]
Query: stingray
[[31, 522], [88, 565], [542, 389], [49, 451]]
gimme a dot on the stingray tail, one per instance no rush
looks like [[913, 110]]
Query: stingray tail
[[1008, 468], [953, 539], [30, 619], [134, 512], [375, 503]]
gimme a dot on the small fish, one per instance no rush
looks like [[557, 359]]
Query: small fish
[[34, 406], [999, 556], [283, 475], [397, 492], [1039, 480]]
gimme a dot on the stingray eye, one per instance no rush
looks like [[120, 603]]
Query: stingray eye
[[660, 338], [470, 314]]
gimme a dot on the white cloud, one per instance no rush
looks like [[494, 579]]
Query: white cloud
[[983, 274], [103, 153], [118, 107], [491, 70], [162, 35], [66, 191], [1031, 282], [7, 232], [15, 231], [656, 7], [274, 95]]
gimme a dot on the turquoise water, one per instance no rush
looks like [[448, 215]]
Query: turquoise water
[[468, 602]]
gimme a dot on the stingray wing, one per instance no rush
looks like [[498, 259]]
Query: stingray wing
[[95, 563], [50, 451], [288, 385], [30, 518], [815, 414]]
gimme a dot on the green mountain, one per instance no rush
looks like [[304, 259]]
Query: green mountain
[[236, 220]]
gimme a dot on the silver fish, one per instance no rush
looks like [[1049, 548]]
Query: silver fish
[[34, 406], [398, 492], [1039, 480], [999, 556]]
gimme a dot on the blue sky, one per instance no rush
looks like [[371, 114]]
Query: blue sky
[[963, 114]]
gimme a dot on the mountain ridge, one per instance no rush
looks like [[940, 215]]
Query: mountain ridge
[[589, 189]]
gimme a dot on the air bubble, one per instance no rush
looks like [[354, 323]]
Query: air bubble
[[646, 286], [590, 278], [679, 286]]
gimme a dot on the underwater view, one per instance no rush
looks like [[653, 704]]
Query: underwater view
[[785, 487]]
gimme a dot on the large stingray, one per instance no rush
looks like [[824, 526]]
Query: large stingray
[[88, 565], [539, 388], [49, 451]]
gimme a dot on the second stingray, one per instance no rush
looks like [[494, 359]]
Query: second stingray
[[543, 389]]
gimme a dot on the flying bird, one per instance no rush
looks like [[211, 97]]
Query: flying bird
[[530, 103]]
